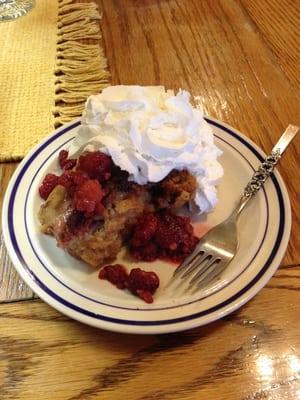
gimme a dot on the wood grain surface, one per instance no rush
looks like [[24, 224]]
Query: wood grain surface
[[252, 354], [12, 286], [241, 58], [278, 24]]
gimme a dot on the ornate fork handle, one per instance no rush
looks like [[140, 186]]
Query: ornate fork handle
[[266, 168], [262, 174]]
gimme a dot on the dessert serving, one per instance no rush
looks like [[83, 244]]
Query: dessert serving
[[141, 155]]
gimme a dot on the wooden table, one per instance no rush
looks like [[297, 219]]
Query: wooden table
[[242, 59]]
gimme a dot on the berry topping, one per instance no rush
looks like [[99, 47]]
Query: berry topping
[[116, 274], [145, 229], [65, 162], [69, 164], [145, 295], [162, 235], [48, 184], [148, 252], [87, 196], [71, 179], [143, 283], [96, 164], [175, 237], [62, 157], [170, 232]]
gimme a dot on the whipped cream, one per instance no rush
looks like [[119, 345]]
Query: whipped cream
[[148, 132]]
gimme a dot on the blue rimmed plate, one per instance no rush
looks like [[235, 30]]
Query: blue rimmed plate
[[73, 288]]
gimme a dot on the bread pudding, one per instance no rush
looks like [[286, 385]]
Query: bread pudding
[[93, 226]]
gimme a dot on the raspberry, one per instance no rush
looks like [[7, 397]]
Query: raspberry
[[65, 162], [87, 196], [69, 164], [145, 295], [142, 283], [185, 223], [116, 274], [79, 177], [139, 282], [96, 164], [162, 235], [66, 179], [182, 231], [99, 209], [145, 229], [48, 184], [62, 157], [71, 179], [147, 252], [170, 232]]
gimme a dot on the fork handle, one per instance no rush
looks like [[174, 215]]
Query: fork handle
[[266, 168]]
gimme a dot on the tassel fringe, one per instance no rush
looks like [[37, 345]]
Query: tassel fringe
[[81, 68]]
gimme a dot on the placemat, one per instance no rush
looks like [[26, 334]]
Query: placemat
[[50, 62]]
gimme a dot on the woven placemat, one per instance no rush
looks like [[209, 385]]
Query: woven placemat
[[50, 62]]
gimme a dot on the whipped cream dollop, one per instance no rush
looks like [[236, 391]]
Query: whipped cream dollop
[[149, 131]]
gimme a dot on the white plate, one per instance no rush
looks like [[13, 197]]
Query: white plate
[[73, 288]]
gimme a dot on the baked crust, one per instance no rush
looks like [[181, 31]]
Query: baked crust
[[176, 190]]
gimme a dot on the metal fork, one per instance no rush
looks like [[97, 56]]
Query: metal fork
[[217, 248]]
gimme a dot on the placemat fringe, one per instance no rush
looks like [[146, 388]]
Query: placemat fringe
[[83, 29], [65, 114], [76, 50], [81, 68], [64, 2], [77, 13]]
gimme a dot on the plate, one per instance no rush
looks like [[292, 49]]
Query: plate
[[73, 288]]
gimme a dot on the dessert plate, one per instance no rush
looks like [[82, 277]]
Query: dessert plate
[[74, 289]]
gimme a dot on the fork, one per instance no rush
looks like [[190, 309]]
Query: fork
[[218, 247]]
